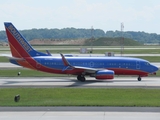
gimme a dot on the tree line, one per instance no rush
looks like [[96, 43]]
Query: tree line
[[73, 33]]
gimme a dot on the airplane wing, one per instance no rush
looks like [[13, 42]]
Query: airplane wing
[[86, 69]]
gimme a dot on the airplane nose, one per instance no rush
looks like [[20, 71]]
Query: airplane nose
[[155, 68]]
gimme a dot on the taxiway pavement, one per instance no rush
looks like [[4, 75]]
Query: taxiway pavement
[[79, 113], [117, 82]]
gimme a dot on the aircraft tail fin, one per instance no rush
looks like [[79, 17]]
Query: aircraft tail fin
[[19, 46]]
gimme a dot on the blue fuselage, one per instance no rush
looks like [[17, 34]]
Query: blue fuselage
[[120, 65]]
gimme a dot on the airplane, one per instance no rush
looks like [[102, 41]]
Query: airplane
[[101, 68]]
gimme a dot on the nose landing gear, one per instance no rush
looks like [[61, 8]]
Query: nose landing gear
[[139, 78]]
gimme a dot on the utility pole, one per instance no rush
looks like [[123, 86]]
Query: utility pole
[[92, 37], [122, 39]]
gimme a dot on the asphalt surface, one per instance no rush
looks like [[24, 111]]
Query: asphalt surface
[[117, 82], [79, 113], [80, 109]]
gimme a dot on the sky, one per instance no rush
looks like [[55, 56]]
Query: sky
[[136, 15]]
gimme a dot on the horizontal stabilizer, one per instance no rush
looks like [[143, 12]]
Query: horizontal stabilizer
[[12, 58], [48, 52]]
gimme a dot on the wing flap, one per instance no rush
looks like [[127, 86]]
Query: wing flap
[[86, 68]]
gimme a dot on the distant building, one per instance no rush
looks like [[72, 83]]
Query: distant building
[[109, 54], [3, 44], [151, 43]]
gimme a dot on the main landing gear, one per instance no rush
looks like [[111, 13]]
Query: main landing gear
[[139, 78], [81, 78]]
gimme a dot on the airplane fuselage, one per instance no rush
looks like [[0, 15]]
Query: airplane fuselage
[[120, 65]]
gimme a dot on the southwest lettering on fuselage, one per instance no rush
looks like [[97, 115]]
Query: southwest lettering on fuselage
[[20, 39]]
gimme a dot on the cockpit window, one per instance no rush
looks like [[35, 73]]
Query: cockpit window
[[147, 63]]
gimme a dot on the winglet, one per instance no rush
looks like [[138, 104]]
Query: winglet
[[48, 52], [66, 63]]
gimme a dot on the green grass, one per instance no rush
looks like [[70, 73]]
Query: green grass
[[52, 49], [26, 73], [75, 46], [3, 59], [80, 97]]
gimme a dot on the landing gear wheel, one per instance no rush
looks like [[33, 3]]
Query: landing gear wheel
[[139, 78], [81, 78]]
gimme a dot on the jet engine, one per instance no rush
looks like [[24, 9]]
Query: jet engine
[[104, 74]]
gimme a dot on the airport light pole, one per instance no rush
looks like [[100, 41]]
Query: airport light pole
[[122, 39], [92, 39]]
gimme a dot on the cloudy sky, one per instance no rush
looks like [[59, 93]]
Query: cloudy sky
[[136, 15]]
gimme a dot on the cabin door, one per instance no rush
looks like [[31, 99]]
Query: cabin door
[[137, 65]]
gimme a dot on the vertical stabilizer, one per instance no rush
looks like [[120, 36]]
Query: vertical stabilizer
[[18, 44]]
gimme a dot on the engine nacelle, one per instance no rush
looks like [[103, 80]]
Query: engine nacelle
[[104, 74]]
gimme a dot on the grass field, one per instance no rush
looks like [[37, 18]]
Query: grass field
[[26, 73], [80, 97], [78, 46], [76, 49]]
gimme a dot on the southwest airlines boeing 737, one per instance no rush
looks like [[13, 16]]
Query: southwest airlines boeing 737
[[102, 68]]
